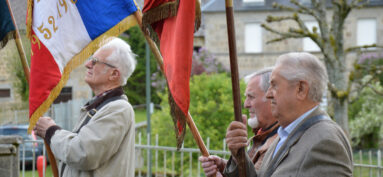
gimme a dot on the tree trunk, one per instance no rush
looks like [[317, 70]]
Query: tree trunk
[[341, 113], [337, 74]]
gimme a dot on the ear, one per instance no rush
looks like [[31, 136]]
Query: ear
[[302, 90], [115, 74]]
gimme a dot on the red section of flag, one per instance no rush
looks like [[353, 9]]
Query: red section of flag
[[150, 4], [176, 42], [45, 74]]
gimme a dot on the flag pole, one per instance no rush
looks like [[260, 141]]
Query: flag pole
[[20, 48], [235, 80], [158, 56], [24, 62]]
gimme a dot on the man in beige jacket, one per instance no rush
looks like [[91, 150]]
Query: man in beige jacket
[[102, 143], [310, 144], [262, 122]]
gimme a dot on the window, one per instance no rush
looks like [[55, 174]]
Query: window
[[366, 32], [253, 38], [253, 1], [308, 44], [65, 95], [5, 93]]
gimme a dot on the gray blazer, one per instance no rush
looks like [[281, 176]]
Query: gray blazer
[[322, 151]]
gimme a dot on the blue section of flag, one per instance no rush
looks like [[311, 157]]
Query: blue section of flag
[[6, 24], [101, 15]]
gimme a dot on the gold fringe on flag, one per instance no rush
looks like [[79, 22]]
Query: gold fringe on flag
[[78, 60], [29, 18], [179, 120], [164, 11], [159, 13], [197, 19]]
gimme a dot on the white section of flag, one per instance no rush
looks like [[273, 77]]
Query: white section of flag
[[70, 36]]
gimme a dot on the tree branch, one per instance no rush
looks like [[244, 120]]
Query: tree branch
[[283, 35], [271, 19], [359, 3], [336, 92], [303, 9], [380, 93], [358, 48]]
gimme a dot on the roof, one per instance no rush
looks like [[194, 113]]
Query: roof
[[239, 5]]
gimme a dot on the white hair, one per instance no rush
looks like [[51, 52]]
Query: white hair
[[298, 66], [122, 57], [264, 83]]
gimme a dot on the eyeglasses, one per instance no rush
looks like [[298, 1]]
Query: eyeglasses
[[96, 60]]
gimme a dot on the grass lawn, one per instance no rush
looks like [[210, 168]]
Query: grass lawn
[[29, 173], [140, 115]]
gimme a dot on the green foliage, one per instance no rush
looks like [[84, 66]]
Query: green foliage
[[20, 83], [366, 115], [211, 106], [18, 76], [135, 87]]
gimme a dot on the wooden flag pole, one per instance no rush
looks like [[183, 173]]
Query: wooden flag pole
[[20, 48], [235, 80], [24, 62], [158, 56]]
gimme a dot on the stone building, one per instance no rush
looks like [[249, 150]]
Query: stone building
[[362, 26]]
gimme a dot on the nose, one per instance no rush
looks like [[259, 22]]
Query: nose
[[269, 94], [88, 64], [247, 103]]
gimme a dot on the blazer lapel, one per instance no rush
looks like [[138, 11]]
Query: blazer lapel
[[268, 159], [269, 154]]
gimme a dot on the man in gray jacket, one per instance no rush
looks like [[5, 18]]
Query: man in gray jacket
[[309, 142], [102, 143]]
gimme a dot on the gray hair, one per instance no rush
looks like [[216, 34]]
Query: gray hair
[[264, 83], [304, 66], [122, 57]]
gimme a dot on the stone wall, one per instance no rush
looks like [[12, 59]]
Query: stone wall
[[9, 156]]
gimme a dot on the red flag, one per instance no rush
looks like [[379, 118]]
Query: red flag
[[173, 21]]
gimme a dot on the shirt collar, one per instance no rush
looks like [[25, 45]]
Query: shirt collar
[[284, 132]]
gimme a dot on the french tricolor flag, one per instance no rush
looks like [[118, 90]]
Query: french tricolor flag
[[63, 34]]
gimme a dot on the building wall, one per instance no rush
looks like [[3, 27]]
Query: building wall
[[216, 36]]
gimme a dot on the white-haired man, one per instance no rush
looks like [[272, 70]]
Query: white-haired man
[[309, 143], [102, 143], [262, 122]]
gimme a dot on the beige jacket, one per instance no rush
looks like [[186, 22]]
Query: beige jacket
[[104, 147], [322, 151]]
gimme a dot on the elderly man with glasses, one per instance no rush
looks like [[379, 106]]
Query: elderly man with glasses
[[102, 143]]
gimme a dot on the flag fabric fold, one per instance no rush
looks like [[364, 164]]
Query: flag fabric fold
[[7, 29], [173, 22], [63, 34]]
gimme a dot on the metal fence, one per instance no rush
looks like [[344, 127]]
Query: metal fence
[[168, 162], [368, 163]]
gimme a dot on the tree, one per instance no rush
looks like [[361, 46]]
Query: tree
[[135, 87], [211, 105], [365, 111], [329, 39]]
